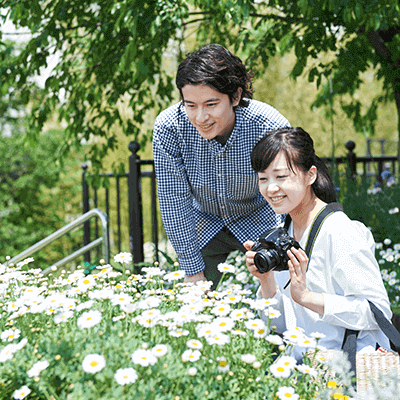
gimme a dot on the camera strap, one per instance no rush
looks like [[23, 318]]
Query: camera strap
[[315, 227]]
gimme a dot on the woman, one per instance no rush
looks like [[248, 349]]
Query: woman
[[329, 292]]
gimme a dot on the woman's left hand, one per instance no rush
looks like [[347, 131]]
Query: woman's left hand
[[297, 268]]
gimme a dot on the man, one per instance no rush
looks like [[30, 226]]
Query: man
[[208, 193]]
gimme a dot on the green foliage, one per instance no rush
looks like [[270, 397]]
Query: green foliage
[[113, 53], [107, 51], [37, 198], [375, 206], [21, 207]]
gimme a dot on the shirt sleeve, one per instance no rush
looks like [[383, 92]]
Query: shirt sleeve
[[355, 277], [175, 198]]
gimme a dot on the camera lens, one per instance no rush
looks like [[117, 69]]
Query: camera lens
[[266, 259]]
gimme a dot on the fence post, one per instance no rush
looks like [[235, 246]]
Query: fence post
[[135, 205], [85, 204], [351, 159], [382, 141]]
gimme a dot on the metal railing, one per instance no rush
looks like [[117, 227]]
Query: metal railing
[[104, 240], [134, 223], [371, 166]]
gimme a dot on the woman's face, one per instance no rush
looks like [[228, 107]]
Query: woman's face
[[286, 191]]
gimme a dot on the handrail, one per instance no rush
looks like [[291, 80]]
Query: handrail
[[67, 228]]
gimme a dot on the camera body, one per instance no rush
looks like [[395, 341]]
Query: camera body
[[271, 250]]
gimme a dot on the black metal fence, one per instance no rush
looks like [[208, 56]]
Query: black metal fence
[[133, 185], [356, 165]]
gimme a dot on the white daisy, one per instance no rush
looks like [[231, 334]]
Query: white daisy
[[21, 344], [123, 258], [86, 282], [222, 364], [89, 319], [280, 370], [306, 369], [239, 332], [307, 342], [63, 317], [218, 338], [262, 304], [37, 368], [21, 393], [223, 324], [260, 332], [159, 350], [192, 371], [191, 355], [317, 335], [292, 336], [10, 334], [179, 332], [175, 275], [272, 313], [238, 315], [242, 277], [287, 393], [221, 310], [204, 330], [287, 361], [152, 271], [233, 298], [143, 357], [254, 324], [224, 267], [93, 363], [124, 376], [7, 352], [121, 298], [274, 339], [194, 344], [248, 358]]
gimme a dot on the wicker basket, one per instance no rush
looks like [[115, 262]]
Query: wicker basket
[[370, 366]]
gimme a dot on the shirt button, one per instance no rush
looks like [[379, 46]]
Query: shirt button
[[221, 195], [219, 175]]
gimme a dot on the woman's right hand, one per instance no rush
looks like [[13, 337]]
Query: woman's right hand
[[250, 258], [267, 280]]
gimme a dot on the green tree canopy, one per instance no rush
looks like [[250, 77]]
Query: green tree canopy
[[111, 52]]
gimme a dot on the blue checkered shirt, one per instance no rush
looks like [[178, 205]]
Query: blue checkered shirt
[[204, 186]]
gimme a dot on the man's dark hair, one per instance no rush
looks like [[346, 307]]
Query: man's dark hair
[[215, 66]]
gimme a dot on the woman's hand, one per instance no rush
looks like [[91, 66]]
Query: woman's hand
[[267, 280], [298, 288], [250, 260], [297, 264]]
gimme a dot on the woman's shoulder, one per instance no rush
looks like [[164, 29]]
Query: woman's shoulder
[[340, 228]]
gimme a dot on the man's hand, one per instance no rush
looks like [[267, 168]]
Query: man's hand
[[195, 278]]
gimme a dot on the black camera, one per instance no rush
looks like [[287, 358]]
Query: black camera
[[271, 250]]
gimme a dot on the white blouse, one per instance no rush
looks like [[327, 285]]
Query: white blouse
[[344, 269]]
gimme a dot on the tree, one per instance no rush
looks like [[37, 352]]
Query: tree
[[111, 52]]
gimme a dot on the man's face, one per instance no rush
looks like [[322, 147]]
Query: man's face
[[209, 111]]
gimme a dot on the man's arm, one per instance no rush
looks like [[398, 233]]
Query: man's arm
[[175, 198]]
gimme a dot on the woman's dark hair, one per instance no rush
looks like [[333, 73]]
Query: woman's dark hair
[[298, 148], [215, 66]]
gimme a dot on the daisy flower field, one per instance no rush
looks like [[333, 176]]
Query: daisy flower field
[[113, 335]]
